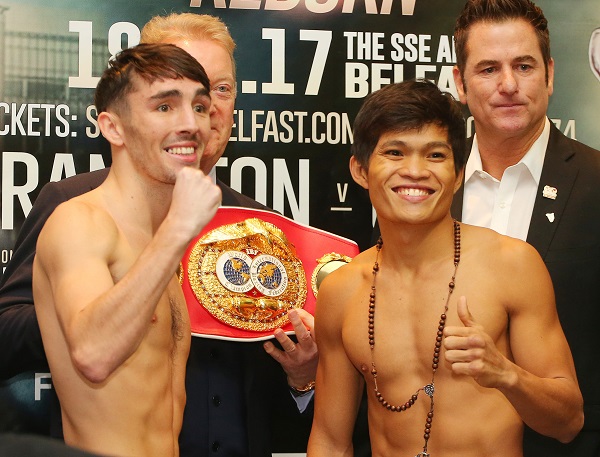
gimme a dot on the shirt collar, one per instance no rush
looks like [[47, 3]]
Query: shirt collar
[[533, 159]]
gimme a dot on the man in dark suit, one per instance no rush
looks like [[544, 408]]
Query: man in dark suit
[[236, 393], [524, 178]]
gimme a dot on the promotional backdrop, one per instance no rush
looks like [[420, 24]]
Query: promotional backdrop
[[304, 67]]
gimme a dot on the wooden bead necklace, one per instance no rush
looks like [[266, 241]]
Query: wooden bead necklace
[[428, 388]]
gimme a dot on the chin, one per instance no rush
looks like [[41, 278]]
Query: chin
[[513, 124]]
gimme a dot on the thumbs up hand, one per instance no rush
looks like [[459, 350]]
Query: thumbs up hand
[[472, 352]]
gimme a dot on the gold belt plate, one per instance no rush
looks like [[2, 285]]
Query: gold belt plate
[[247, 275]]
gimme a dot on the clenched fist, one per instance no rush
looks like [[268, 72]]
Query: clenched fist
[[195, 201]]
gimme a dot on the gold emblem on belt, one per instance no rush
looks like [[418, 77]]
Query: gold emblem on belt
[[247, 275]]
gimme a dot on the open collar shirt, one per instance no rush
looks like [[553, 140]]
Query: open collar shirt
[[504, 205]]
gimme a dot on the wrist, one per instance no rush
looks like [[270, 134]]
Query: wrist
[[304, 389]]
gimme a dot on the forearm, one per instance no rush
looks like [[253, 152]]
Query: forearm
[[106, 332], [550, 406], [322, 446], [337, 398]]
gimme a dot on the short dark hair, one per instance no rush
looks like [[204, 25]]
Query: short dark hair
[[409, 105], [150, 62], [500, 11]]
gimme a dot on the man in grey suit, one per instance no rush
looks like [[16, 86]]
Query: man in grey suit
[[525, 179]]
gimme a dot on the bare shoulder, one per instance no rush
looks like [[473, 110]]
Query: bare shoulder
[[338, 293], [349, 276], [503, 250], [338, 288], [509, 266], [82, 223]]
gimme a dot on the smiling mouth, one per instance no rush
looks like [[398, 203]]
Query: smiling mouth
[[413, 192], [181, 151]]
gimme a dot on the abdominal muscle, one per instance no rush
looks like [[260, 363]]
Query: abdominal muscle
[[138, 410], [468, 421]]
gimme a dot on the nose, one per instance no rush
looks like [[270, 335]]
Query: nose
[[188, 120], [414, 166], [508, 82], [213, 107]]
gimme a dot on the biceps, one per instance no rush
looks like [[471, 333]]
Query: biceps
[[538, 343], [77, 285], [337, 394]]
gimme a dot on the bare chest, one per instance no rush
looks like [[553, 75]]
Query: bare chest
[[405, 322], [170, 321]]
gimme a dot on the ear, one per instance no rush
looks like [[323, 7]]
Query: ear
[[459, 179], [550, 77], [359, 174], [460, 86], [111, 128]]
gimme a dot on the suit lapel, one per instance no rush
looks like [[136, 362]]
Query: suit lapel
[[558, 172]]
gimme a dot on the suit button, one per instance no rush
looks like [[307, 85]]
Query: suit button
[[216, 446], [216, 400]]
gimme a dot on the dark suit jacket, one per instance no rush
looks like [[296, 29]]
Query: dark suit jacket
[[237, 394], [570, 247]]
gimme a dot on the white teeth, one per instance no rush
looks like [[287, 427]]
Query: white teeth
[[181, 151], [411, 192]]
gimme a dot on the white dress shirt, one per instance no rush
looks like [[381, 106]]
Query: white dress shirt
[[504, 205]]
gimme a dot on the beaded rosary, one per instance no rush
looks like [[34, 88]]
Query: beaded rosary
[[429, 388]]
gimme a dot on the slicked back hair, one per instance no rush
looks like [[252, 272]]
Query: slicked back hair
[[492, 11]]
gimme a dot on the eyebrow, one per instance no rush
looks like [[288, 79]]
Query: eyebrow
[[166, 94], [203, 92], [524, 58], [430, 145], [200, 92]]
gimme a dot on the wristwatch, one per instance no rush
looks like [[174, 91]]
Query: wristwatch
[[298, 391]]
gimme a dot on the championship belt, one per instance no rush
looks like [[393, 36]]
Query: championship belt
[[248, 267]]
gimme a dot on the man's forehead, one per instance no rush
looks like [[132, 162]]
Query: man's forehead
[[149, 87], [430, 134], [509, 26], [517, 28]]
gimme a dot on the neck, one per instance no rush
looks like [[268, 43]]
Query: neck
[[415, 246], [500, 152], [145, 204]]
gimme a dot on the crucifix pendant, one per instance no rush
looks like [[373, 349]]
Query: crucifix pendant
[[422, 454]]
